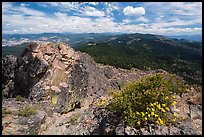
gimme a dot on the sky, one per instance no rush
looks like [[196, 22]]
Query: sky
[[162, 18]]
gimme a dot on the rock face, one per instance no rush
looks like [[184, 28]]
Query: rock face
[[43, 68], [9, 64], [63, 86]]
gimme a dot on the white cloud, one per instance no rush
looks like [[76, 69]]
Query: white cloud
[[142, 19], [64, 6], [91, 11], [8, 8], [176, 22], [94, 3], [110, 7], [182, 10], [127, 20], [129, 10], [28, 11]]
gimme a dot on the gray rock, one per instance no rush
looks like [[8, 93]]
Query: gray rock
[[162, 130], [175, 131], [195, 112], [120, 129], [130, 131], [143, 131]]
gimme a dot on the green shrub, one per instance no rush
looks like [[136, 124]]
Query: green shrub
[[27, 111], [19, 98], [147, 100]]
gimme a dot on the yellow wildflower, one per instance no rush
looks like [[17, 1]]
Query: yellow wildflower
[[137, 113], [157, 122], [174, 103], [167, 109], [148, 115], [155, 103], [159, 106], [142, 114], [173, 97], [152, 113], [163, 110], [153, 109], [163, 105], [166, 97], [182, 117], [151, 105], [156, 115], [138, 122], [162, 123], [159, 118], [176, 115], [145, 118]]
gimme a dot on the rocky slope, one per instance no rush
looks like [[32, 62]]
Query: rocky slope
[[62, 85]]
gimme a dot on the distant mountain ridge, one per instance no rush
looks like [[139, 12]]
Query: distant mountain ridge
[[197, 38]]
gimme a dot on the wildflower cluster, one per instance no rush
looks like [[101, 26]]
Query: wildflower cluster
[[101, 102], [145, 101]]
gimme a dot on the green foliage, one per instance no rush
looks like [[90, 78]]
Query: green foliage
[[19, 98], [27, 111], [147, 100], [13, 50], [5, 111]]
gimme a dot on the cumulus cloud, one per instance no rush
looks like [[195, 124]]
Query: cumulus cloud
[[129, 10]]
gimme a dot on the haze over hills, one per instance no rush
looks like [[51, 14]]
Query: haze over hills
[[74, 38], [189, 37]]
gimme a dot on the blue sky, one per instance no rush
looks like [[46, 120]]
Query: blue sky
[[164, 18]]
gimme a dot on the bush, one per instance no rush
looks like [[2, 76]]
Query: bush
[[27, 111], [147, 101]]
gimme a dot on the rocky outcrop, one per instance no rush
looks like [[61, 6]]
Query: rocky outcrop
[[54, 73]]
